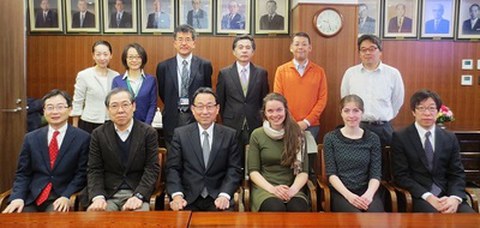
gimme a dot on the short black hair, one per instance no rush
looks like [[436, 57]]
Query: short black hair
[[473, 5], [117, 91], [184, 29], [372, 38], [102, 42], [141, 52], [56, 92], [302, 34], [422, 95], [243, 37], [205, 90]]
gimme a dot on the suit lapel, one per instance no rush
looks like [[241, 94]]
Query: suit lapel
[[217, 139], [67, 141], [417, 145], [252, 79], [195, 144], [236, 79], [172, 70], [42, 141], [194, 68], [134, 144]]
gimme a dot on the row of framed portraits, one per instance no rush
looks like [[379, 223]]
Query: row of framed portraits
[[159, 16], [431, 19]]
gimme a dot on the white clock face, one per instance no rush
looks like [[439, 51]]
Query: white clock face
[[329, 22]]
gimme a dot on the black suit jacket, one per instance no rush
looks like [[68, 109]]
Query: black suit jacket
[[186, 170], [69, 173], [51, 21], [234, 105], [467, 27], [406, 25], [125, 21], [106, 170], [410, 164], [277, 23], [200, 76], [88, 21]]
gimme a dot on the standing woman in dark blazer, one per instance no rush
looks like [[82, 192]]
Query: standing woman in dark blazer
[[142, 86], [353, 162], [91, 88]]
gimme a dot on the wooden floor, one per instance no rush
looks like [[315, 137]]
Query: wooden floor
[[236, 219]]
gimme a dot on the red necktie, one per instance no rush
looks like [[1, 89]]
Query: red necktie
[[53, 152]]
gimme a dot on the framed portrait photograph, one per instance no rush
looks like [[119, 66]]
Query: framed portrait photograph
[[196, 13], [46, 15], [400, 18], [369, 17], [157, 16], [271, 17], [120, 16], [468, 19], [438, 19], [83, 16], [233, 16]]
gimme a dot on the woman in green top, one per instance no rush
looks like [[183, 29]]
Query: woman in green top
[[276, 160]]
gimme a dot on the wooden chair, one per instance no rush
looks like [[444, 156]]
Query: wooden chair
[[160, 184], [5, 195], [390, 196], [405, 203], [312, 191]]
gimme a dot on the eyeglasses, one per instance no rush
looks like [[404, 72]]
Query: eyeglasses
[[422, 109], [370, 49], [59, 107], [186, 40], [209, 107], [134, 57], [115, 106]]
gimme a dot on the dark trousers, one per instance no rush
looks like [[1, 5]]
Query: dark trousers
[[341, 204], [296, 204], [384, 131], [420, 205], [87, 126], [205, 204], [46, 206]]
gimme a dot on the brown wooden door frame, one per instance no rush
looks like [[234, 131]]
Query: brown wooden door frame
[[12, 88]]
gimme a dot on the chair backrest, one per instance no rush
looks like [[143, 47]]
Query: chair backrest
[[387, 173], [162, 157], [321, 164], [469, 142], [247, 177]]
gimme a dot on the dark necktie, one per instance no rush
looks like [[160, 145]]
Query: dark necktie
[[206, 155], [429, 154], [53, 152], [184, 88], [119, 18]]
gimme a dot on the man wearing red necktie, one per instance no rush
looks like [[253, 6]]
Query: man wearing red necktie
[[53, 161]]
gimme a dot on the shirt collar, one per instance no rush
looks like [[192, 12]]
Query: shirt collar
[[128, 130], [240, 67], [180, 59], [422, 131], [209, 129], [379, 67], [296, 63], [62, 129], [125, 76]]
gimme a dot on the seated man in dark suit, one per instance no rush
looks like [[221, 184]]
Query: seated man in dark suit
[[272, 20], [83, 18], [120, 18], [53, 161], [203, 163], [46, 18], [426, 160], [123, 161], [241, 88]]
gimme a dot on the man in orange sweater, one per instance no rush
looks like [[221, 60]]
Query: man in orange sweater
[[304, 85]]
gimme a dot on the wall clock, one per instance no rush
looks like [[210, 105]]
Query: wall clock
[[328, 22]]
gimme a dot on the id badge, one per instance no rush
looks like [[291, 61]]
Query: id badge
[[184, 102]]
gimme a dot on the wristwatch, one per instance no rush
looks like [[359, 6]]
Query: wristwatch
[[139, 196]]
